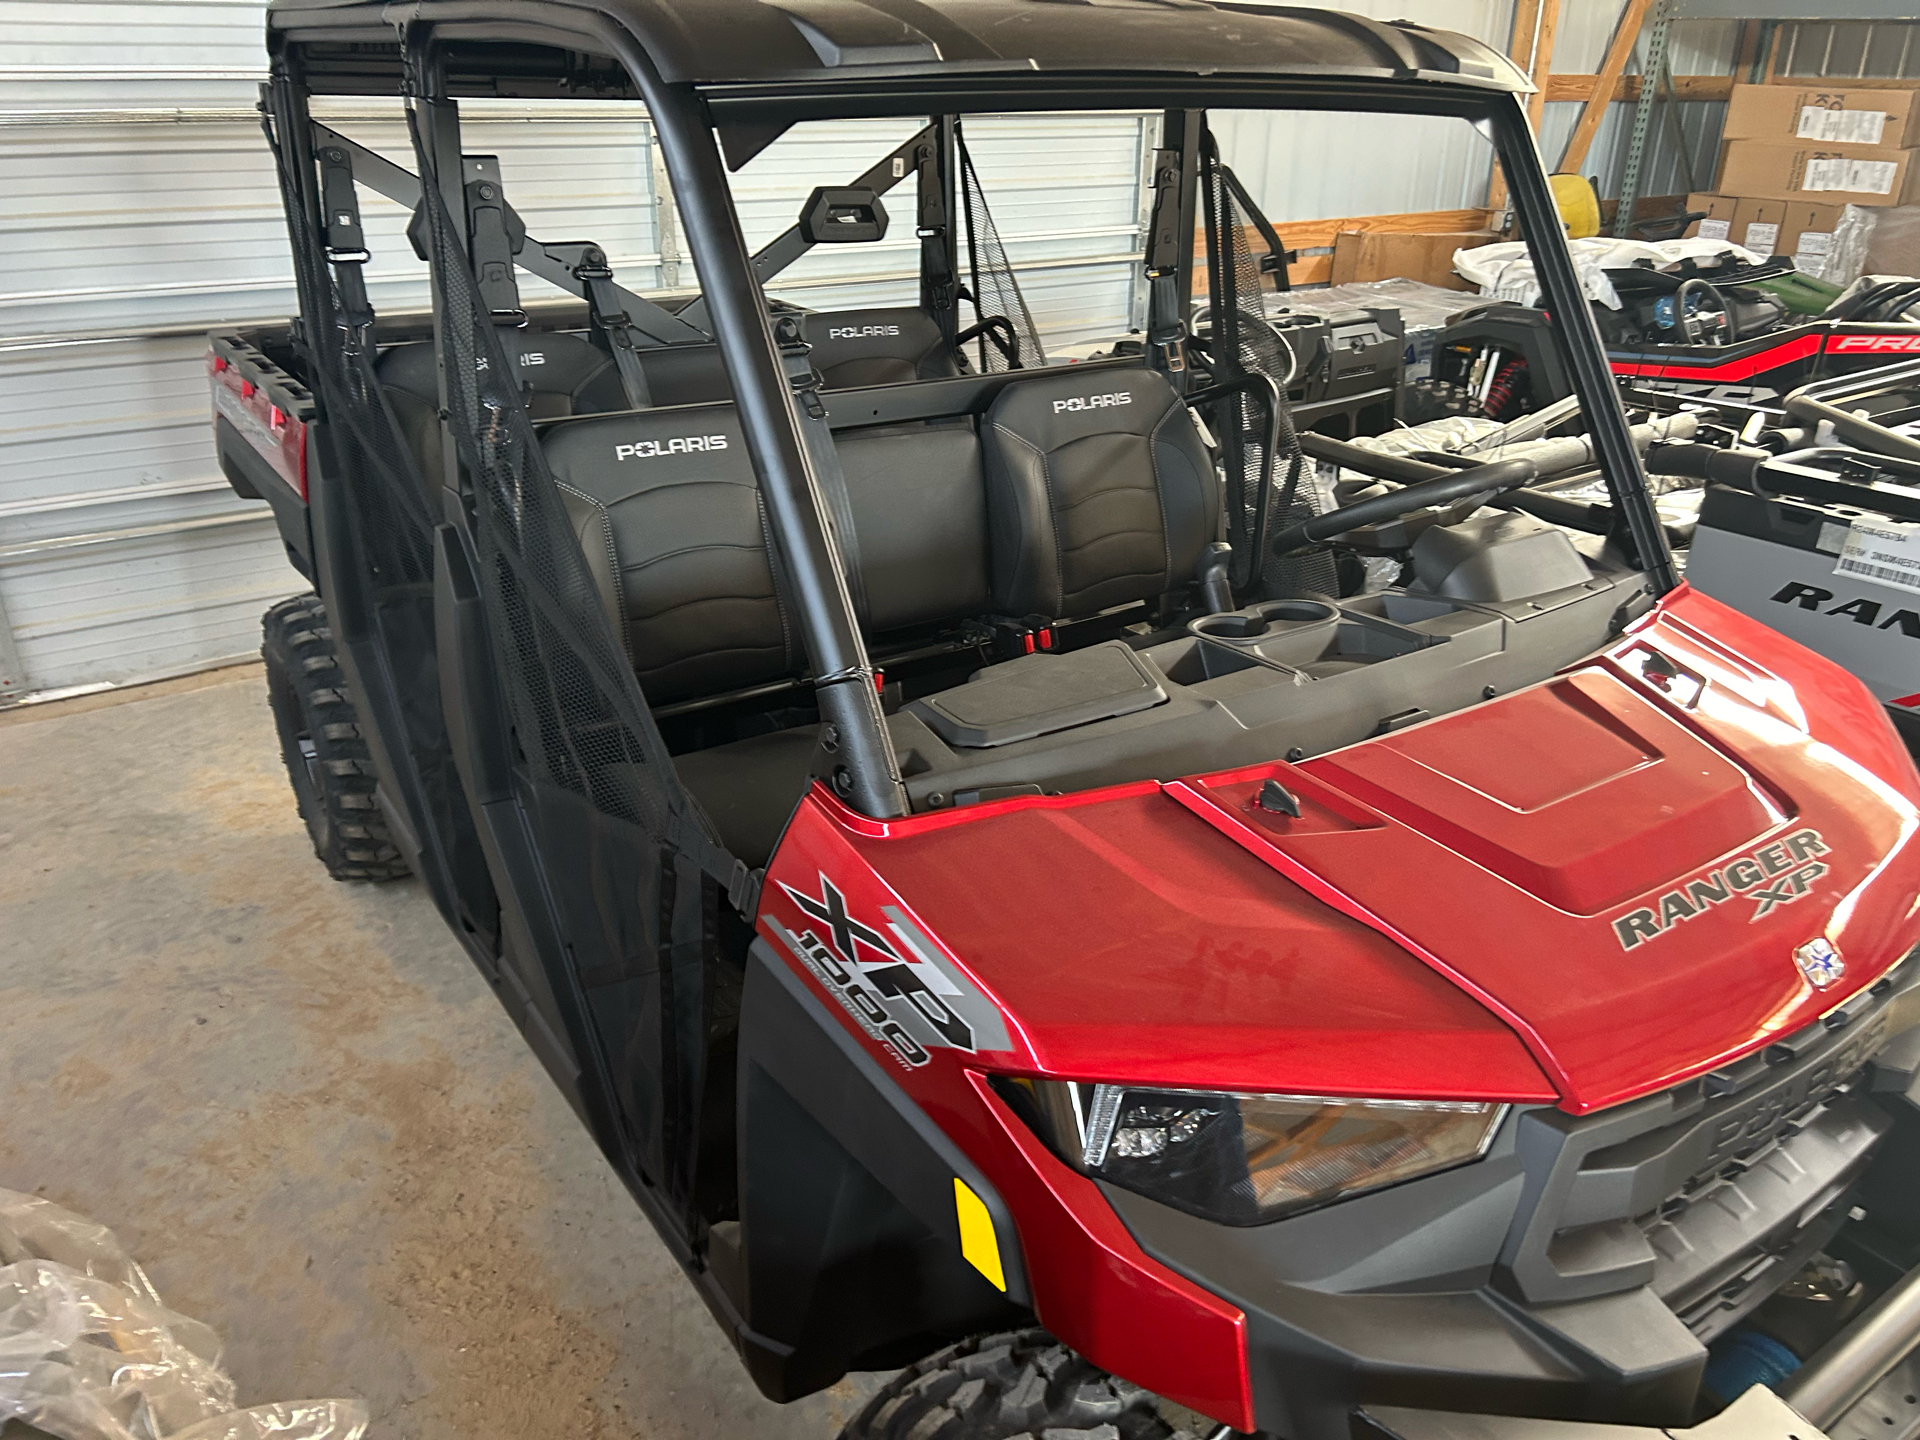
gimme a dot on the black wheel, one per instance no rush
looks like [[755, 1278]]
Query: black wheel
[[327, 759], [1021, 1386]]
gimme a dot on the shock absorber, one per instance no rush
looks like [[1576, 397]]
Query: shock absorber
[[1501, 393]]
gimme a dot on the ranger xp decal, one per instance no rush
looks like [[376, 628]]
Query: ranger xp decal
[[896, 985], [1776, 874]]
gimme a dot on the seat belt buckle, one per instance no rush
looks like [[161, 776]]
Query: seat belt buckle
[[1170, 346], [1030, 635]]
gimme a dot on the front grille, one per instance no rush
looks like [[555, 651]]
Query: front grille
[[1712, 1192]]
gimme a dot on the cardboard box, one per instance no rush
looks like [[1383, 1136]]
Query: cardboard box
[[1861, 175], [1719, 222], [1842, 119], [1784, 227], [1384, 255]]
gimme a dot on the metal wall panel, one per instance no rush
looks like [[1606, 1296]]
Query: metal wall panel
[[1305, 166], [142, 209]]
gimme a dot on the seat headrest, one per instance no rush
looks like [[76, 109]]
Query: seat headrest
[[1049, 411], [651, 447], [877, 347], [571, 370]]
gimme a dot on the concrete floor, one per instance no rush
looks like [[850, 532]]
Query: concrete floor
[[300, 1106]]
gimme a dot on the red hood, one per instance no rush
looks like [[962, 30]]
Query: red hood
[[1566, 890]]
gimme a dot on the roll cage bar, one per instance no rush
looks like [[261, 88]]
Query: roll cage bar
[[772, 405]]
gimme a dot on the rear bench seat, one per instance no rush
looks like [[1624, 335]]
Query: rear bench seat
[[1080, 491]]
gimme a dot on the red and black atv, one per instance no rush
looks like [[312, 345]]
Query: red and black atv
[[1011, 893], [1707, 331]]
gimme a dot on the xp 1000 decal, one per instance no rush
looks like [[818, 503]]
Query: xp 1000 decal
[[891, 978]]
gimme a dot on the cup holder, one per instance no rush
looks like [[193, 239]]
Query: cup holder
[[1274, 617], [1232, 627], [1298, 612]]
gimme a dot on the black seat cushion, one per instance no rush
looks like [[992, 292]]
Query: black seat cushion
[[1100, 492], [919, 505], [668, 512], [877, 347]]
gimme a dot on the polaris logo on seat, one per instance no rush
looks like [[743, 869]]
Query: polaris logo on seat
[[860, 332], [1094, 402], [678, 445]]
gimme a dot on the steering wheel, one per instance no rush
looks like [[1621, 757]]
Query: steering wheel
[[1492, 479], [1715, 300]]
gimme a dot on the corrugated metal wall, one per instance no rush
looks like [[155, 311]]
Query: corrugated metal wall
[[142, 210], [1303, 166]]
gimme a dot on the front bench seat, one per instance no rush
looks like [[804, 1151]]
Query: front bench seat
[[1099, 490], [852, 348], [668, 513]]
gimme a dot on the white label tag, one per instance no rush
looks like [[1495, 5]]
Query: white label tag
[[1841, 127], [1714, 229], [1866, 177], [1761, 237], [1814, 242], [1832, 539], [1887, 551]]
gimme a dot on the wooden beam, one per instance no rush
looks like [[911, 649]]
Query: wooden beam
[[1542, 61], [1526, 19], [1311, 235], [1632, 16], [1685, 87]]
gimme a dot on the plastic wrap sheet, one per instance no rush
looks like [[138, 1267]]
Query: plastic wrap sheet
[[1504, 271], [88, 1351], [1421, 306], [1873, 239]]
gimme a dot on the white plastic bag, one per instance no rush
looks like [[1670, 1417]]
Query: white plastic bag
[[88, 1352], [1505, 271]]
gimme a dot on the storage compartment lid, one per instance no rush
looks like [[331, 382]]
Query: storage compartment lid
[[1039, 694]]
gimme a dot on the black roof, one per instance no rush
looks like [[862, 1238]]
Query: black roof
[[721, 42]]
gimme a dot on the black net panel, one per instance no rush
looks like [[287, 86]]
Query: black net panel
[[1242, 342], [375, 511], [621, 846], [991, 285]]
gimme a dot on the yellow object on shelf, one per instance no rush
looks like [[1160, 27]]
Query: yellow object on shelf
[[1579, 206]]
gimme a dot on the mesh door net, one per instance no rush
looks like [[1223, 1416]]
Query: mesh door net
[[991, 285], [1242, 342], [619, 842], [372, 488]]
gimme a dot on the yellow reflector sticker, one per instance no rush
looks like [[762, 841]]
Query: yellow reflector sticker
[[977, 1240]]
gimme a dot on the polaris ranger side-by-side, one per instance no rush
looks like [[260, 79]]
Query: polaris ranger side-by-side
[[1008, 883]]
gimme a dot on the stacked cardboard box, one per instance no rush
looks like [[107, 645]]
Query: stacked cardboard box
[[1796, 156], [1769, 227], [1834, 146]]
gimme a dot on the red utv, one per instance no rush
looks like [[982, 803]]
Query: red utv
[[1024, 880]]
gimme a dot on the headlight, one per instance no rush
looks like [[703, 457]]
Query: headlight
[[1248, 1159]]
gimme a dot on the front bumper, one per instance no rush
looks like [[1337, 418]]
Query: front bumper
[[1579, 1271], [1757, 1415], [1863, 1383]]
